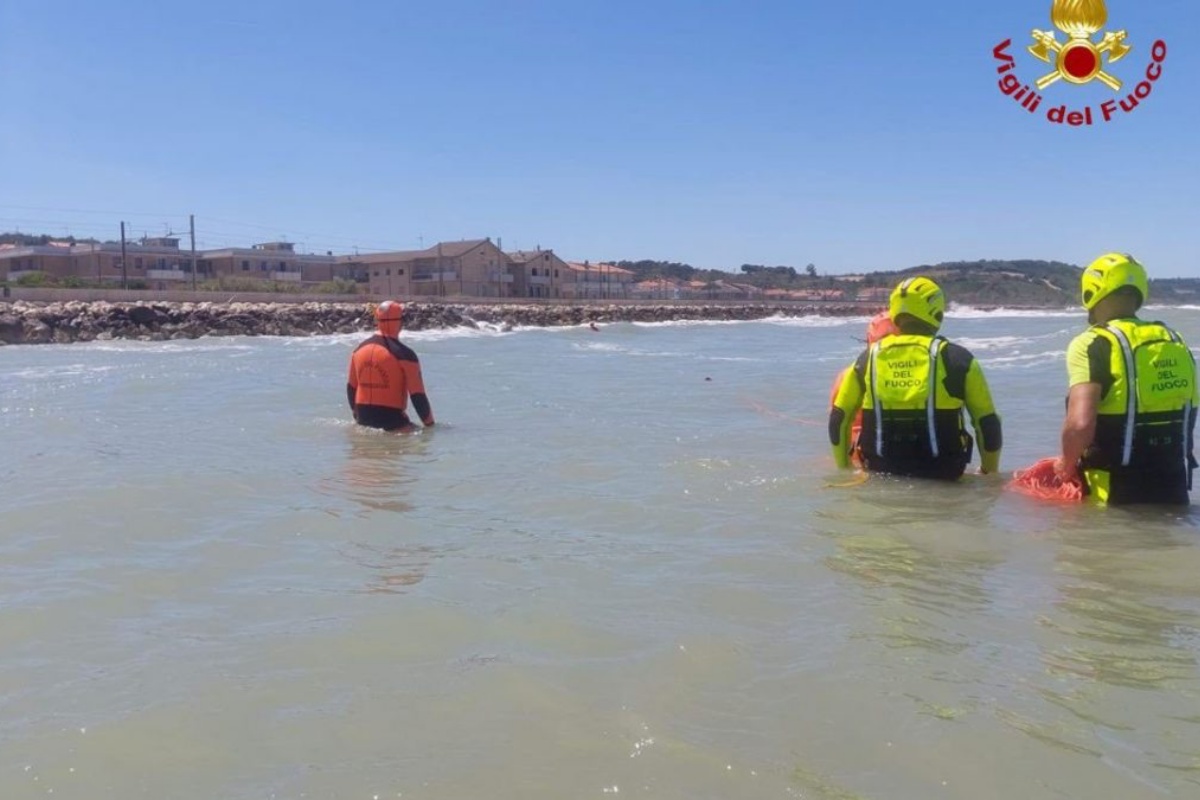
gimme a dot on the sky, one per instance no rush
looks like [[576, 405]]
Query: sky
[[853, 136]]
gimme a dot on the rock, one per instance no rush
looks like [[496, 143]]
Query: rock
[[81, 321], [144, 315], [11, 329], [36, 332]]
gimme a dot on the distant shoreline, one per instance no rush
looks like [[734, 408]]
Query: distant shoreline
[[65, 322]]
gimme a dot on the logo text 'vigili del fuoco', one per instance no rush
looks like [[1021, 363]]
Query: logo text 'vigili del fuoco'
[[1079, 59]]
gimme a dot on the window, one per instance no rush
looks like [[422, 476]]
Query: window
[[533, 272], [389, 271], [245, 265], [137, 263], [556, 273], [262, 266], [400, 272], [376, 273]]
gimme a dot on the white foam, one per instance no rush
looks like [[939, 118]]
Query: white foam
[[62, 371], [991, 342], [205, 344], [1025, 359], [693, 323], [818, 321], [971, 312], [600, 347]]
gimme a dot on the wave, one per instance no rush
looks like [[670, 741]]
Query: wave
[[973, 312], [992, 342], [817, 321], [205, 344], [1025, 360], [60, 371]]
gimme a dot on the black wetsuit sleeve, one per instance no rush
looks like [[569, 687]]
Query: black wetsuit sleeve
[[1100, 363], [420, 402], [350, 394], [964, 380]]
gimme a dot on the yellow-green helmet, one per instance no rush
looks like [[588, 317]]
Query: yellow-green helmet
[[1110, 272], [920, 298]]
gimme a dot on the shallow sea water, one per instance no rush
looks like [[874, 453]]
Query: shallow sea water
[[622, 564]]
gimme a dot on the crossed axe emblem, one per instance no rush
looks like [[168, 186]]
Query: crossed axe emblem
[[1113, 44]]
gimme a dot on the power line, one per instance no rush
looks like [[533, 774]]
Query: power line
[[156, 214], [326, 241]]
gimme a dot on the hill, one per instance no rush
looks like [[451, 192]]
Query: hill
[[1044, 284], [1013, 283], [1027, 283]]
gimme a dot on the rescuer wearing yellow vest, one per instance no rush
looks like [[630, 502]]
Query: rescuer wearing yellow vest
[[913, 387], [1131, 410]]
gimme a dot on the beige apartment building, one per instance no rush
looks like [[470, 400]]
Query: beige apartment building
[[155, 262], [661, 289], [470, 268], [160, 264], [588, 281], [271, 261], [538, 273]]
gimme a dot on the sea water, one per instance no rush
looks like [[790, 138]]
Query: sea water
[[621, 564]]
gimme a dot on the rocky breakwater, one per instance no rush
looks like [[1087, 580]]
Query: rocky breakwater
[[24, 322], [558, 315]]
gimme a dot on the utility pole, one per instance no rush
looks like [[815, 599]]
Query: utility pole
[[441, 287], [124, 273], [501, 267], [192, 230]]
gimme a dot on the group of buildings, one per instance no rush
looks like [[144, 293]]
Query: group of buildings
[[474, 268]]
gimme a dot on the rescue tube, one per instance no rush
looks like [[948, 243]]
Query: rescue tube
[[881, 325], [1041, 481]]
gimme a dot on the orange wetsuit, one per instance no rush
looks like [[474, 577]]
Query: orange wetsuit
[[384, 374]]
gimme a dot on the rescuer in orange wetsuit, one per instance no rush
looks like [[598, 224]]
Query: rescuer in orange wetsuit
[[384, 374]]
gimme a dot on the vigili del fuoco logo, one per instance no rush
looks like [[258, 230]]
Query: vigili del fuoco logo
[[1080, 60]]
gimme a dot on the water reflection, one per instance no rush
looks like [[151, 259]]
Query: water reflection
[[1126, 615], [1117, 641], [924, 555], [380, 469], [921, 551], [391, 569], [378, 476], [1124, 640], [1083, 636]]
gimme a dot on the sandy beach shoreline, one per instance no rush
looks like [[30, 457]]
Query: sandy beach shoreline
[[65, 322]]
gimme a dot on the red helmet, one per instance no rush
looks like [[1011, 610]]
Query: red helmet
[[389, 316]]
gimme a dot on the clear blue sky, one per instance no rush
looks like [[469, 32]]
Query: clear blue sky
[[856, 136]]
